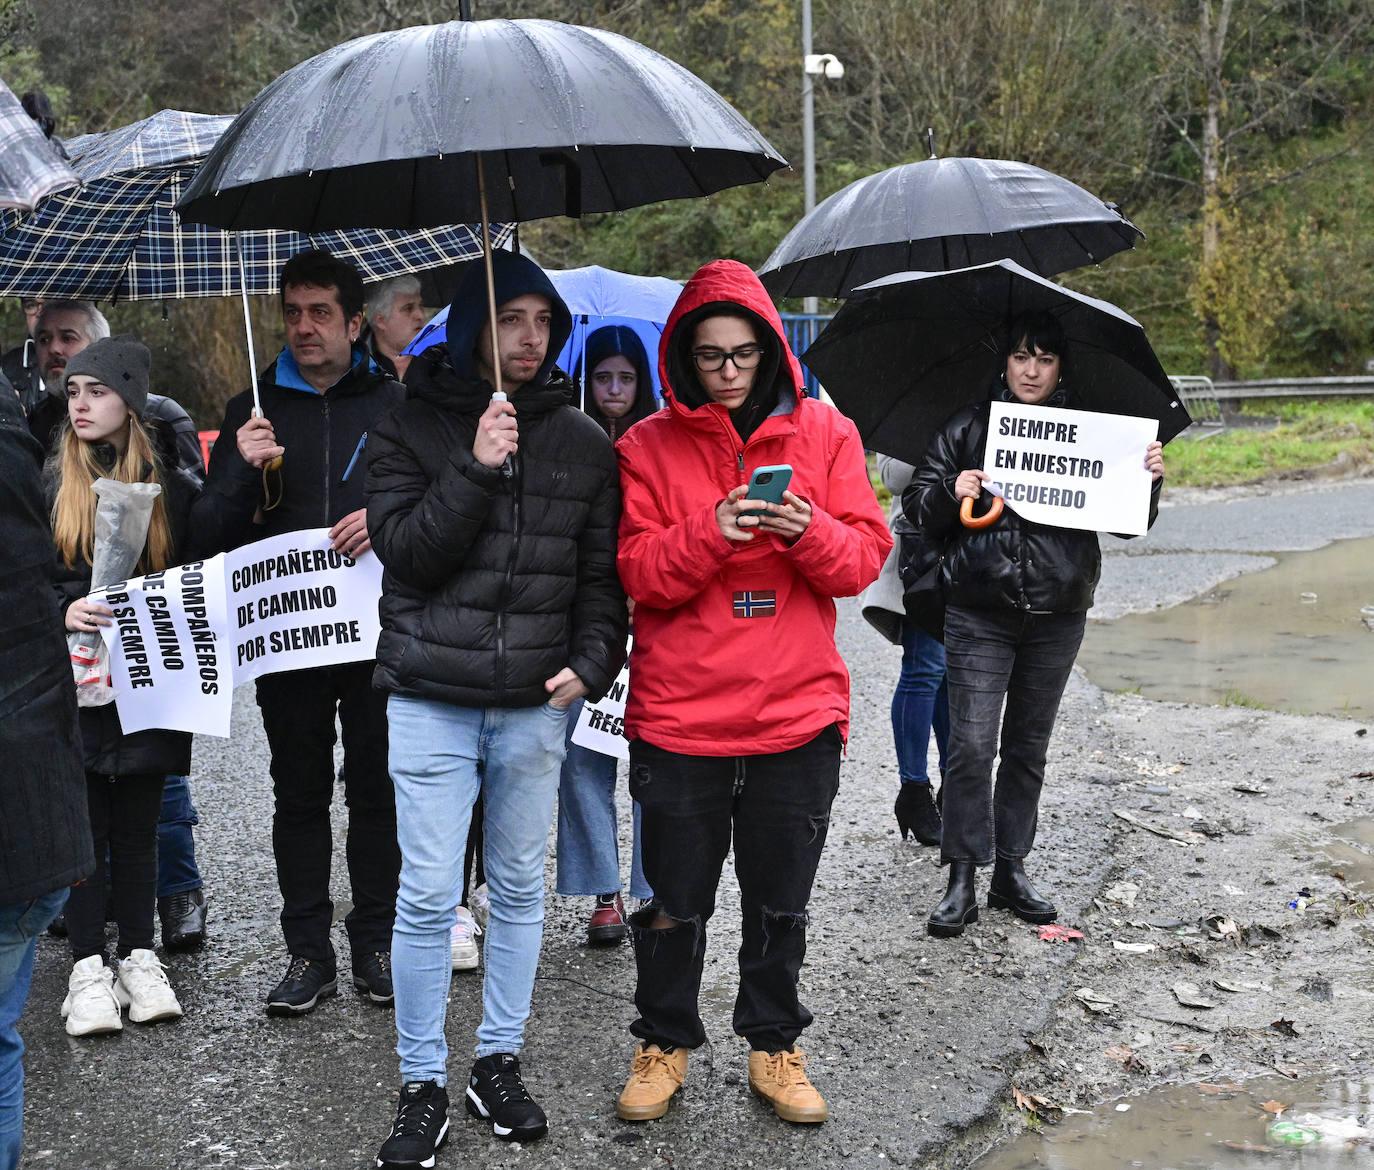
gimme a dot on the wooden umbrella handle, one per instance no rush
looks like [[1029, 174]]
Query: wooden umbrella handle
[[986, 520]]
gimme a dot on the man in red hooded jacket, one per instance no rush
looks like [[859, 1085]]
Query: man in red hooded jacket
[[739, 703]]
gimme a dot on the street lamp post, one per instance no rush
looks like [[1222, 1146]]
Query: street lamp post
[[813, 65]]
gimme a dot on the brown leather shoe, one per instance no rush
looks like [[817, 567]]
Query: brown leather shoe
[[780, 1079], [655, 1076]]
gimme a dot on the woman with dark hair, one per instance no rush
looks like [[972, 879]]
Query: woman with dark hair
[[619, 391], [738, 707], [1018, 595]]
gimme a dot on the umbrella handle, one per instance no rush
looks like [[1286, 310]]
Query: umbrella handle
[[986, 520]]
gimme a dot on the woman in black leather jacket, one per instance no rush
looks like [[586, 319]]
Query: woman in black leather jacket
[[1017, 597]]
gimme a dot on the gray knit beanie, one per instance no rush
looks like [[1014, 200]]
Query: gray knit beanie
[[122, 363]]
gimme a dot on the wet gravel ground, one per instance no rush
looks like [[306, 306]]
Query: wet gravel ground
[[916, 1040]]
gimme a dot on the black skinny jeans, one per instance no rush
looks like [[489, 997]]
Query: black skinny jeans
[[124, 811], [779, 809], [298, 709], [991, 655]]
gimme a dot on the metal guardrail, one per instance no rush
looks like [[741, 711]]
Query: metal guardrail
[[1355, 387]]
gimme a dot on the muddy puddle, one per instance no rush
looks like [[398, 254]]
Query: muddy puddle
[[1297, 637], [1323, 1123], [1351, 853]]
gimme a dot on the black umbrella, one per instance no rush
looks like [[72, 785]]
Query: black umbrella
[[905, 352], [940, 214], [496, 119], [387, 131]]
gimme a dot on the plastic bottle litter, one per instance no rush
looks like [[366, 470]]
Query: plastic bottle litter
[[1290, 1133], [1307, 598]]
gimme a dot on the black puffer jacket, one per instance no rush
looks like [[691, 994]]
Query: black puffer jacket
[[493, 583], [1015, 564], [320, 432], [107, 750]]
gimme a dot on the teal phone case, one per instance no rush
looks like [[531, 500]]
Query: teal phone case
[[768, 483]]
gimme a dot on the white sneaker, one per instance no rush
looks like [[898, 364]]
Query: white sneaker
[[462, 941], [142, 987], [480, 905], [91, 1007]]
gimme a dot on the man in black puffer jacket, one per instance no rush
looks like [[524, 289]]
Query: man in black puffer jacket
[[496, 522], [320, 399]]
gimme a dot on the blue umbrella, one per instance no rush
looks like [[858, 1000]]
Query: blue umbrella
[[596, 297], [118, 238]]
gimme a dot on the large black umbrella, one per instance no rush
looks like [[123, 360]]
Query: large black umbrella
[[387, 131], [474, 120], [940, 214], [905, 352]]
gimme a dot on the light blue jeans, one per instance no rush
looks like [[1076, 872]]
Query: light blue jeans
[[588, 848], [20, 925], [440, 756]]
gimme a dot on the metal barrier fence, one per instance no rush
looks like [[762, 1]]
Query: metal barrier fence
[[801, 330]]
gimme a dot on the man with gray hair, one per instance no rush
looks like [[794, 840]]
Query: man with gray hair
[[393, 313], [63, 330]]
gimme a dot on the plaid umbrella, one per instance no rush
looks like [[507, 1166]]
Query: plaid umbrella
[[29, 166], [117, 237]]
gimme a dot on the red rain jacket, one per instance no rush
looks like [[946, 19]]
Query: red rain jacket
[[706, 679]]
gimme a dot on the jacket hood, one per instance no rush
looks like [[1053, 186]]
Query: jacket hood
[[726, 283], [514, 276]]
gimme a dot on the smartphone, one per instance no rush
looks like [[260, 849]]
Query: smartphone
[[768, 483]]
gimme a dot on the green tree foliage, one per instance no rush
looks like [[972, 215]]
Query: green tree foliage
[[1113, 95]]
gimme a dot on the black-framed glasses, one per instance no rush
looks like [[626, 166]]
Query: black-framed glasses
[[708, 361]]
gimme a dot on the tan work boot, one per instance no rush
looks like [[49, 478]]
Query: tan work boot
[[655, 1076], [780, 1079]]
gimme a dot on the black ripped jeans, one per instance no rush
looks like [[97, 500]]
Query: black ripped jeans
[[778, 807]]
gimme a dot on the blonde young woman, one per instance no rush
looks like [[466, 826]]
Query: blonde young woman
[[105, 435]]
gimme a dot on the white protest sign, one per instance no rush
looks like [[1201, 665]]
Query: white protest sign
[[601, 726], [166, 650], [183, 639], [1071, 468], [294, 602]]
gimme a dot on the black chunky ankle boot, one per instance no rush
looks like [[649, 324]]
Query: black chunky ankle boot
[[1011, 890], [959, 907]]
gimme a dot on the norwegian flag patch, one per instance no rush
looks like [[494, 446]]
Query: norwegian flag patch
[[756, 603]]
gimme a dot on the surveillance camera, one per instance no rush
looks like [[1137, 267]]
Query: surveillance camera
[[825, 65]]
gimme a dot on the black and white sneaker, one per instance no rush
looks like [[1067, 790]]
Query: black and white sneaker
[[497, 1094], [420, 1128]]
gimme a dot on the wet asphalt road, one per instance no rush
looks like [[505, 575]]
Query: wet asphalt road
[[913, 1036]]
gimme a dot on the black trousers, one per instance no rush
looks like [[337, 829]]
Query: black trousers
[[778, 807], [124, 813], [298, 711], [992, 655]]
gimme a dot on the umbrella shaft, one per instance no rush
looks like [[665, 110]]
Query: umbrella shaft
[[248, 326], [491, 280]]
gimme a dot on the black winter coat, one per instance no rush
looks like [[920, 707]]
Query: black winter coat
[[320, 432], [1014, 564], [493, 584], [107, 751], [45, 835]]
